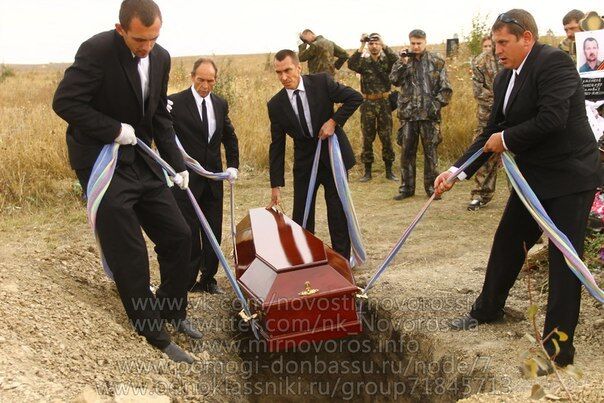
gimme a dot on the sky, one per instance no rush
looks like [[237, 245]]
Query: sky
[[45, 31]]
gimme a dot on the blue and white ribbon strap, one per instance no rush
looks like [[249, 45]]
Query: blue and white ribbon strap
[[101, 175], [340, 178], [399, 244], [558, 238]]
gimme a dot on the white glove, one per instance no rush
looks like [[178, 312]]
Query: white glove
[[233, 173], [169, 106], [182, 179], [127, 136]]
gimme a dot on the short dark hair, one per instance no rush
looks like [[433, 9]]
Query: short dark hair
[[417, 33], [283, 53], [591, 39], [202, 60], [146, 11], [573, 15], [523, 21]]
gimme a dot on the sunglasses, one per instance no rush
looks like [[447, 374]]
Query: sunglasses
[[509, 20]]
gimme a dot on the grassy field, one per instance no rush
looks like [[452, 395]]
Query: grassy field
[[34, 171]]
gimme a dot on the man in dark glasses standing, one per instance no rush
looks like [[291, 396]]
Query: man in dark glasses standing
[[539, 115]]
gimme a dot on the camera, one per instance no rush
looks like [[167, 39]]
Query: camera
[[406, 53]]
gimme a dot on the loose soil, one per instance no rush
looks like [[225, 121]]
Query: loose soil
[[64, 334]]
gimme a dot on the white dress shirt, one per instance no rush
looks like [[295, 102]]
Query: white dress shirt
[[210, 109], [305, 106], [508, 92], [143, 72]]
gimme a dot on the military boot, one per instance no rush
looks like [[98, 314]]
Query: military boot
[[367, 176], [389, 174]]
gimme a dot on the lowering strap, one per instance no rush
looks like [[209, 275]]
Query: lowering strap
[[101, 175], [399, 244], [196, 167], [533, 205], [341, 181]]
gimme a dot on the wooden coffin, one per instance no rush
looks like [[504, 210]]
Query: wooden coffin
[[301, 290]]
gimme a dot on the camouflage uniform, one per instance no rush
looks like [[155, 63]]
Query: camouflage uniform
[[484, 69], [424, 90], [569, 46], [320, 55], [376, 116]]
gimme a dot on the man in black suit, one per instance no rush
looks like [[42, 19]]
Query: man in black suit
[[304, 110], [539, 115], [201, 121], [115, 91]]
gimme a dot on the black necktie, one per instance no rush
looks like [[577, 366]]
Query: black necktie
[[205, 128], [301, 115], [137, 60]]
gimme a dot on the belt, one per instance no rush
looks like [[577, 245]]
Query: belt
[[374, 97]]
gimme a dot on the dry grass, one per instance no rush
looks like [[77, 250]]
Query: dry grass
[[34, 170]]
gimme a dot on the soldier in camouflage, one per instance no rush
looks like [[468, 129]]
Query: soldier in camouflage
[[571, 26], [376, 116], [320, 53], [424, 90], [484, 69]]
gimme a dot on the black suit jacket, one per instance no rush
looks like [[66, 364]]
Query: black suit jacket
[[322, 93], [102, 89], [545, 125], [187, 124]]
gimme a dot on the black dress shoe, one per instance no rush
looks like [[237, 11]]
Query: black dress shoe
[[402, 195], [186, 327], [464, 323], [177, 354], [212, 288]]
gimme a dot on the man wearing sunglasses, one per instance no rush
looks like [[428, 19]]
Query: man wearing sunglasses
[[539, 115]]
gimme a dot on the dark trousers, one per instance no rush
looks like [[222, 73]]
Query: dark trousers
[[137, 198], [203, 258], [516, 229], [336, 218], [408, 137]]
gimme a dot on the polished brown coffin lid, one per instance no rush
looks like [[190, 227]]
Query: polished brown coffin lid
[[279, 257]]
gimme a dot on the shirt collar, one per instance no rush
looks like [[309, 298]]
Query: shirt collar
[[290, 92], [140, 58], [517, 71], [199, 98]]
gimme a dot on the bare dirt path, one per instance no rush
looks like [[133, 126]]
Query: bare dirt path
[[64, 333]]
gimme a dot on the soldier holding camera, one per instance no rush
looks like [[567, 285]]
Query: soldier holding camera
[[320, 53], [376, 116], [424, 90]]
